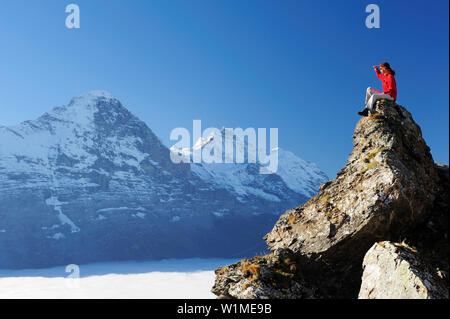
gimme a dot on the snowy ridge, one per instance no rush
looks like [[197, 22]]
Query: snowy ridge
[[244, 179], [299, 175], [68, 133]]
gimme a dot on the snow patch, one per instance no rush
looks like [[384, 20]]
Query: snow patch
[[140, 215], [119, 209], [57, 236], [53, 201]]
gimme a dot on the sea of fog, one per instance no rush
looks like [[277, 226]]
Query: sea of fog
[[164, 279]]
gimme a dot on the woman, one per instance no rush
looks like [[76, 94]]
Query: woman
[[387, 76]]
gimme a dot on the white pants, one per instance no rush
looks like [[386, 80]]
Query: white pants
[[373, 95]]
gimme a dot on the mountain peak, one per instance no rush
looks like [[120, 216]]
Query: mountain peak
[[94, 107], [92, 96], [84, 171]]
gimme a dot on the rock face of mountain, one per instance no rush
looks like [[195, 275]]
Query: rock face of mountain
[[389, 189], [91, 182]]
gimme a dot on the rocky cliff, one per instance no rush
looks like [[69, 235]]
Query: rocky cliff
[[389, 190]]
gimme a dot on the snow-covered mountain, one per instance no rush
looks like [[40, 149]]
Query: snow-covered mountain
[[244, 179], [91, 182]]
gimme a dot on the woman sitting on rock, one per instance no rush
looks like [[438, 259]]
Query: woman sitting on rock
[[387, 76]]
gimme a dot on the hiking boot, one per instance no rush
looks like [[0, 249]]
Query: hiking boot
[[364, 112]]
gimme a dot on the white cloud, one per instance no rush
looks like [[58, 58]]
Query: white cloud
[[137, 280]]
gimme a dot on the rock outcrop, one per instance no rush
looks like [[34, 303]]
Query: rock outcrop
[[396, 271], [389, 187]]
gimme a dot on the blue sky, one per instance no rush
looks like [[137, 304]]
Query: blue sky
[[300, 66]]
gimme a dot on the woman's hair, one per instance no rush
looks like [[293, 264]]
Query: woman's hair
[[388, 67]]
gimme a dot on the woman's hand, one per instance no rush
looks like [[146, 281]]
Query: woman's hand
[[375, 66]]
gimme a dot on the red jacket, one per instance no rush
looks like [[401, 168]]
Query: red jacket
[[389, 84]]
